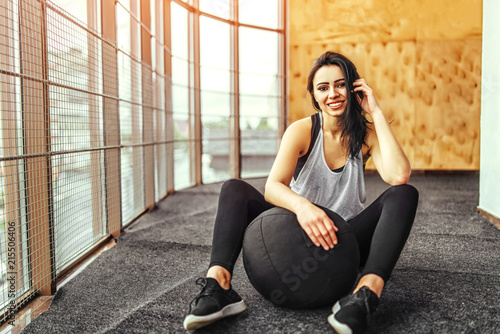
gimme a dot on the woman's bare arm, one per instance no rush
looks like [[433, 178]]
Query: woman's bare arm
[[315, 222], [388, 155]]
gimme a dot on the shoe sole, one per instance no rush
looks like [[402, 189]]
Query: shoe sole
[[193, 322], [340, 327]]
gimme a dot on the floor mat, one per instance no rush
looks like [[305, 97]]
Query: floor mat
[[446, 280]]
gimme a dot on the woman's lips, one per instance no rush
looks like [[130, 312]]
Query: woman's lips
[[336, 105]]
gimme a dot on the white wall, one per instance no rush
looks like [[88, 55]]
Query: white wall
[[489, 183]]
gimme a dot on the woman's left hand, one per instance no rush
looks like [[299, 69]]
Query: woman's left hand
[[368, 102]]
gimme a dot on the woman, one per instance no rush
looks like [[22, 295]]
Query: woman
[[320, 163]]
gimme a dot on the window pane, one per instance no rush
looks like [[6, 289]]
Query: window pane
[[215, 80], [131, 162], [160, 171], [182, 165], [180, 94], [180, 71], [252, 58], [259, 84], [215, 104], [258, 145], [214, 43], [123, 25], [215, 122], [218, 8], [215, 159], [263, 13], [74, 195], [75, 8], [262, 106], [259, 100], [180, 99], [215, 127], [179, 30], [132, 182], [215, 96], [125, 3]]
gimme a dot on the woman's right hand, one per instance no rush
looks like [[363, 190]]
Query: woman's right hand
[[314, 221], [318, 226]]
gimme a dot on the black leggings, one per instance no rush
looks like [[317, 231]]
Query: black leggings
[[381, 229]]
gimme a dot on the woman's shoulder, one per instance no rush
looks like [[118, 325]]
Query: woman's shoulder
[[300, 132], [300, 126]]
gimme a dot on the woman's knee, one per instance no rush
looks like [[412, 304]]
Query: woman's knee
[[233, 186], [238, 191], [403, 192]]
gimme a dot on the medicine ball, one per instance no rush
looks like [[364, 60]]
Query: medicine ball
[[285, 266]]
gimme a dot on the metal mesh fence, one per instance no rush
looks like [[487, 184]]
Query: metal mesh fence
[[72, 143]]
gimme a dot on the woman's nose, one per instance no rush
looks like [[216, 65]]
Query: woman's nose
[[333, 92]]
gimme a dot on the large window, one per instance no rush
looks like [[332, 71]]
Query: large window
[[260, 99], [227, 74], [241, 77]]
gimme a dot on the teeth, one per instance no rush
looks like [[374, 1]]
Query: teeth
[[336, 104]]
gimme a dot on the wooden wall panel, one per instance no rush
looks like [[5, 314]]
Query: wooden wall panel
[[389, 70], [447, 105], [422, 58], [356, 21], [449, 19]]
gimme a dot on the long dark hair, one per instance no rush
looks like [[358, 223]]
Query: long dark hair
[[353, 121]]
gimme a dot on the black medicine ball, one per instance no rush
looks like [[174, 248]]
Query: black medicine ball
[[285, 266]]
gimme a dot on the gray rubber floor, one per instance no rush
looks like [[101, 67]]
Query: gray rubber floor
[[446, 281]]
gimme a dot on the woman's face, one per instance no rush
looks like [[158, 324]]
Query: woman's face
[[330, 90]]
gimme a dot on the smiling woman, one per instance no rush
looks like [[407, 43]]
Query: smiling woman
[[317, 176]]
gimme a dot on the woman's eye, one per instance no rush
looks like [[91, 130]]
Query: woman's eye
[[341, 84], [322, 89]]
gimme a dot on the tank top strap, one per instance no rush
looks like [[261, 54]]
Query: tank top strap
[[316, 126]]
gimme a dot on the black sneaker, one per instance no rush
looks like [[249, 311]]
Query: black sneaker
[[212, 303], [351, 313]]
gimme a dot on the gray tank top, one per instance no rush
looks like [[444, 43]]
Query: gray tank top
[[342, 192]]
